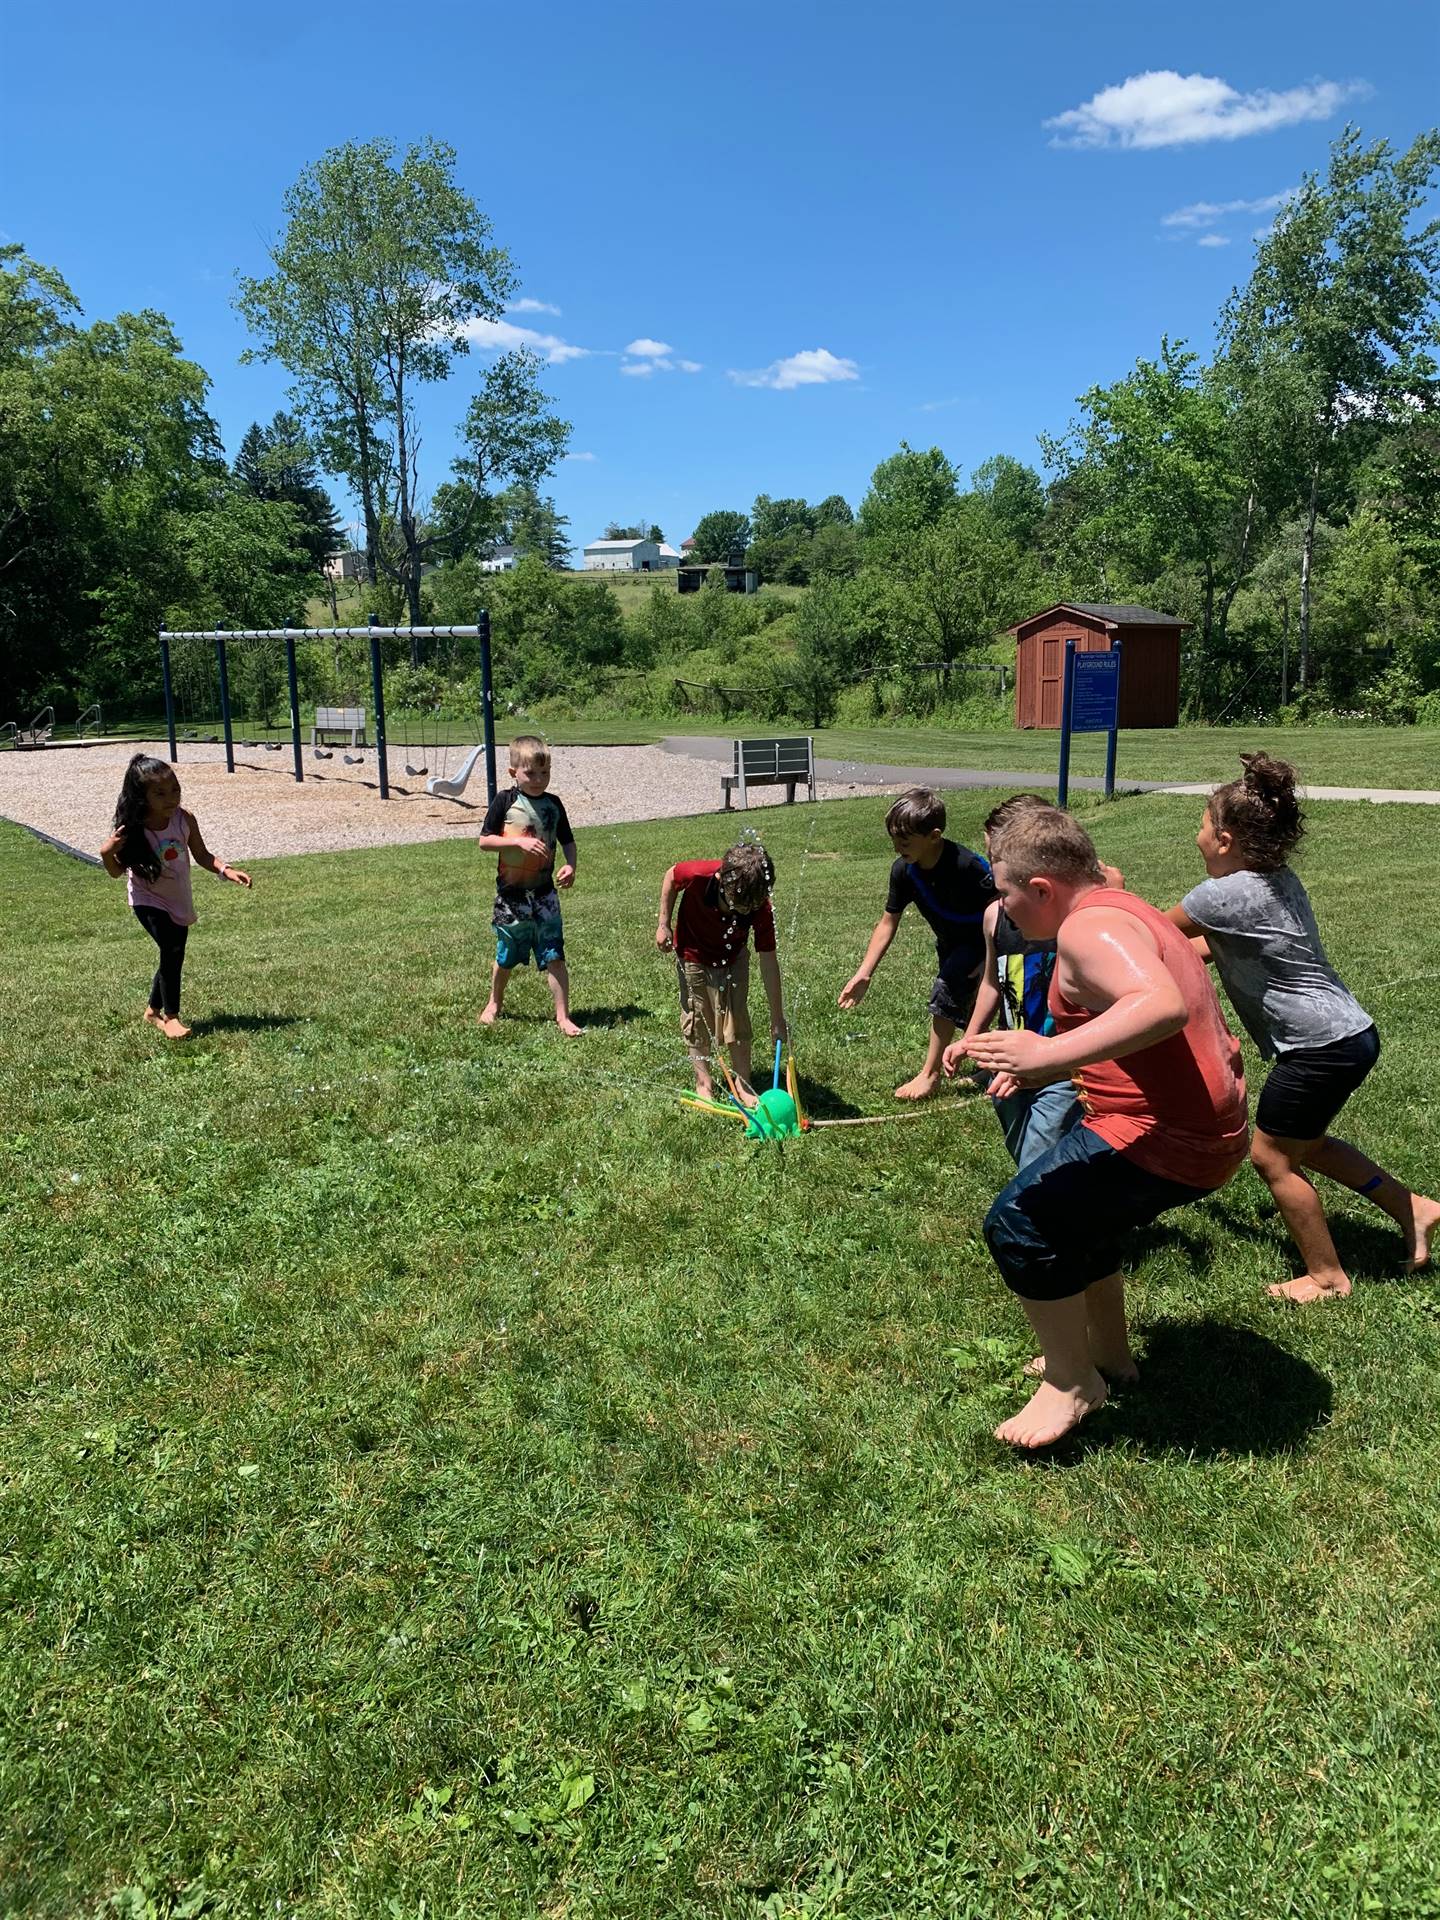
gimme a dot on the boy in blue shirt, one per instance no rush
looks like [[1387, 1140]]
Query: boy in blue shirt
[[951, 887]]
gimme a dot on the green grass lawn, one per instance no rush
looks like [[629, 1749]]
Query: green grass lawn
[[443, 1476]]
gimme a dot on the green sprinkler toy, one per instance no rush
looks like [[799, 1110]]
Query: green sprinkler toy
[[776, 1115]]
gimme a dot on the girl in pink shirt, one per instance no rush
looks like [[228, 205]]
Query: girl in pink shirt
[[152, 846]]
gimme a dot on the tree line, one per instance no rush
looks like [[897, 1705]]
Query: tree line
[[1280, 493]]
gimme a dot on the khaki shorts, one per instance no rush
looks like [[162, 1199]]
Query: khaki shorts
[[715, 1003]]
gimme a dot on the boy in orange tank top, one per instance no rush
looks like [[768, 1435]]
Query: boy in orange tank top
[[1138, 1024]]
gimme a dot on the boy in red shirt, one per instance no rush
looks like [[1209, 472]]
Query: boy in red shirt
[[1138, 1025], [720, 901]]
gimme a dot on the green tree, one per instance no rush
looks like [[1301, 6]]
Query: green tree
[[378, 276], [718, 535], [278, 463], [1340, 316], [909, 492], [1014, 494]]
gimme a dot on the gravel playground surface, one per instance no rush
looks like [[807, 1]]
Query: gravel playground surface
[[261, 810]]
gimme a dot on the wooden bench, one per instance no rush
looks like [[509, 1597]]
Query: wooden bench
[[771, 763], [347, 722]]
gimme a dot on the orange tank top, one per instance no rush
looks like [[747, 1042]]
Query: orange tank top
[[1177, 1108]]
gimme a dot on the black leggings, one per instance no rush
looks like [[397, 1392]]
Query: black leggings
[[170, 938]]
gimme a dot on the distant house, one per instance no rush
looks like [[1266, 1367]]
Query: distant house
[[738, 577], [345, 566], [688, 546], [1149, 693], [503, 560], [622, 556]]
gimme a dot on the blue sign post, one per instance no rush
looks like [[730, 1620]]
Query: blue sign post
[[1091, 704]]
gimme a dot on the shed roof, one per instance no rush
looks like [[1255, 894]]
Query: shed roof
[[1110, 615]]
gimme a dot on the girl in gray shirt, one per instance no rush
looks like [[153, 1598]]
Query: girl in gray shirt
[[1254, 920]]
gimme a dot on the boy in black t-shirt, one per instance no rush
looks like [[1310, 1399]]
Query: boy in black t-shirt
[[952, 887]]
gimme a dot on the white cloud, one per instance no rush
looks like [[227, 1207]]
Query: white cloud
[[1209, 213], [1213, 240], [527, 305], [645, 356], [579, 456], [496, 336], [814, 367], [938, 406], [1169, 109]]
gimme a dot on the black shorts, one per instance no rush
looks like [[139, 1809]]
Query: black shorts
[[952, 994], [1309, 1085]]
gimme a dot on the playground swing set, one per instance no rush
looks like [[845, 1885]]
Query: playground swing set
[[346, 721]]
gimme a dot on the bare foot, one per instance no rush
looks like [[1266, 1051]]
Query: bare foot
[[1050, 1414], [152, 1017], [1304, 1288], [174, 1029], [568, 1027], [1120, 1373], [489, 1014], [1427, 1219], [920, 1088], [704, 1089]]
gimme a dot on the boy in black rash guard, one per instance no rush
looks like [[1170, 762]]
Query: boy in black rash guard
[[952, 887]]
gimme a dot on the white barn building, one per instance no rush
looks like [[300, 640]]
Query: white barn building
[[623, 556]]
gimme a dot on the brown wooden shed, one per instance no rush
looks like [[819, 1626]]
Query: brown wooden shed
[[1149, 672]]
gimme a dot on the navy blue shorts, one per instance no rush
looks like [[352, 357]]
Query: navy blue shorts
[[1309, 1085], [1061, 1223]]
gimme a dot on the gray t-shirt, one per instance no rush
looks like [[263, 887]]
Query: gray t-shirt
[[1267, 950]]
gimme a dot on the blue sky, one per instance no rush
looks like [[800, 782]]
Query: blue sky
[[847, 226]]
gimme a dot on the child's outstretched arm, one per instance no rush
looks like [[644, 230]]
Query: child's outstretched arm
[[565, 876], [203, 857], [664, 939], [110, 856], [856, 987], [1114, 969], [1192, 930], [987, 999], [769, 964]]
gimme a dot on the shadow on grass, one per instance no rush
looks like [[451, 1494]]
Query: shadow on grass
[[622, 1016], [1211, 1391], [245, 1022], [820, 1102]]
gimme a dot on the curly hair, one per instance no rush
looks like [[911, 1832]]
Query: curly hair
[[746, 875], [135, 853], [1260, 811]]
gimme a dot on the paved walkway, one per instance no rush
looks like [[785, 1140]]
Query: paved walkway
[[868, 773]]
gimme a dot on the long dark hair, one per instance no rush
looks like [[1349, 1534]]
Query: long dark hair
[[1261, 811], [135, 853]]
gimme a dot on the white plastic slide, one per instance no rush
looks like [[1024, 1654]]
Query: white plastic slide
[[452, 788]]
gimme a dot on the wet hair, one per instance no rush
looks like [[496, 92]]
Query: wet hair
[[1007, 809], [135, 853], [746, 875], [1260, 812], [916, 811], [1046, 840], [528, 750]]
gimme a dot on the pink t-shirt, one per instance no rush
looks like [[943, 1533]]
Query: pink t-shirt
[[170, 891]]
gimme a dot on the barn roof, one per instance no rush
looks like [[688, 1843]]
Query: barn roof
[[597, 546], [1122, 614]]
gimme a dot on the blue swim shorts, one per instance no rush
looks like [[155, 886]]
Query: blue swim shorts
[[528, 926], [1061, 1223]]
